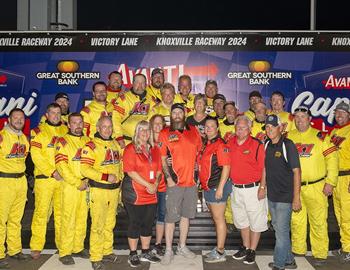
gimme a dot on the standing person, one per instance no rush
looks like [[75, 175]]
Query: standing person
[[219, 101], [129, 109], [184, 96], [97, 108], [48, 181], [340, 137], [277, 107], [181, 143], [198, 118], [283, 189], [74, 205], [254, 97], [214, 170], [248, 193], [115, 86], [210, 90], [101, 164], [157, 81], [14, 147], [258, 128], [142, 168], [157, 123], [319, 166], [227, 127], [164, 106], [61, 99]]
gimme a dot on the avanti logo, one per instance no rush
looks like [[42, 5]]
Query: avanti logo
[[337, 83]]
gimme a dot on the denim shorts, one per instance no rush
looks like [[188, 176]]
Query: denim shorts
[[209, 195]]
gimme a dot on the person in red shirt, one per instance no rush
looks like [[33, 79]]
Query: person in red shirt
[[181, 143], [142, 168], [214, 170], [157, 123], [248, 193]]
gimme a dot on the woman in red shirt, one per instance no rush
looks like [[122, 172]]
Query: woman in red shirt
[[157, 123], [214, 169], [142, 168]]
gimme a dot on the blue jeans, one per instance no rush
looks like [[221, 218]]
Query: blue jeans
[[280, 217], [161, 207]]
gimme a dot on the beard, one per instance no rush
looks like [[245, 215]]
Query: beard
[[177, 124]]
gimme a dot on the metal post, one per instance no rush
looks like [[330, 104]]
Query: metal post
[[312, 15]]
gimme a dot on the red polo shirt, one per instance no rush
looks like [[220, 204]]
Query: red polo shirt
[[147, 167], [247, 160], [183, 148]]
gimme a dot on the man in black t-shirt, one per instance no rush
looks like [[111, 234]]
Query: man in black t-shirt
[[283, 189]]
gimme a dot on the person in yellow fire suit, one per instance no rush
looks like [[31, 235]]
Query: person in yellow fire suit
[[258, 128], [61, 99], [47, 187], [184, 96], [157, 81], [101, 164], [340, 137], [129, 109], [74, 205], [97, 108], [115, 86], [319, 166], [14, 147]]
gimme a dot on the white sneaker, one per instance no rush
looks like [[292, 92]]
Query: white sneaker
[[215, 257], [184, 251], [167, 258]]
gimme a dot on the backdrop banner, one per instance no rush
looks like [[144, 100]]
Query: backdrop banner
[[309, 68]]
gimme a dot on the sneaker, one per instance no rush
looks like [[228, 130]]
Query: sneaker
[[20, 257], [337, 252], [319, 262], [211, 253], [250, 257], [98, 265], [158, 249], [67, 260], [4, 264], [291, 265], [82, 254], [149, 257], [216, 257], [110, 258], [167, 258], [273, 267], [133, 260], [35, 254], [184, 251], [345, 257], [241, 253]]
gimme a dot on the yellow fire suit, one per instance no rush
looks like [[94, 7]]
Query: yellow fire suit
[[130, 109], [47, 190], [340, 137], [163, 110], [226, 129], [64, 119], [74, 204], [154, 93], [209, 109], [319, 165], [189, 103], [112, 95], [250, 114], [13, 189], [258, 132], [91, 113], [99, 158]]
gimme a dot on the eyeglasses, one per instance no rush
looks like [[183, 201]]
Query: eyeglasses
[[306, 110]]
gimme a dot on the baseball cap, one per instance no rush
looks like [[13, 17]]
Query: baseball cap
[[273, 120], [61, 95], [177, 106], [255, 94], [157, 71], [211, 82], [302, 109], [343, 106], [219, 96]]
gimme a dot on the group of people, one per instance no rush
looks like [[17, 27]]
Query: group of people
[[149, 148]]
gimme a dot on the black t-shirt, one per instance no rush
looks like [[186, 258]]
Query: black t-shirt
[[200, 125], [279, 172]]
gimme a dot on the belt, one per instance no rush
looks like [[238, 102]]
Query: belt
[[312, 182], [41, 176], [247, 185], [95, 184], [343, 173], [11, 175], [127, 138]]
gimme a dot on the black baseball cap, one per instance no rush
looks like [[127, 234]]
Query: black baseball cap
[[157, 71], [302, 109], [255, 94], [177, 106], [343, 106], [61, 95], [273, 120], [219, 96]]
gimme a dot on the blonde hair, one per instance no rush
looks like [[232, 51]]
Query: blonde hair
[[143, 124]]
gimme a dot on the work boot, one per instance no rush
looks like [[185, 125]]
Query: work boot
[[82, 254], [20, 257], [67, 260], [4, 264]]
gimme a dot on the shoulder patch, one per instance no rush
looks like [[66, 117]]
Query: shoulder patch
[[321, 135], [91, 145], [37, 130], [86, 109], [62, 141], [291, 117], [122, 96]]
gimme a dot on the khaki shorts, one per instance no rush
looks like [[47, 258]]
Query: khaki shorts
[[180, 202], [247, 210]]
